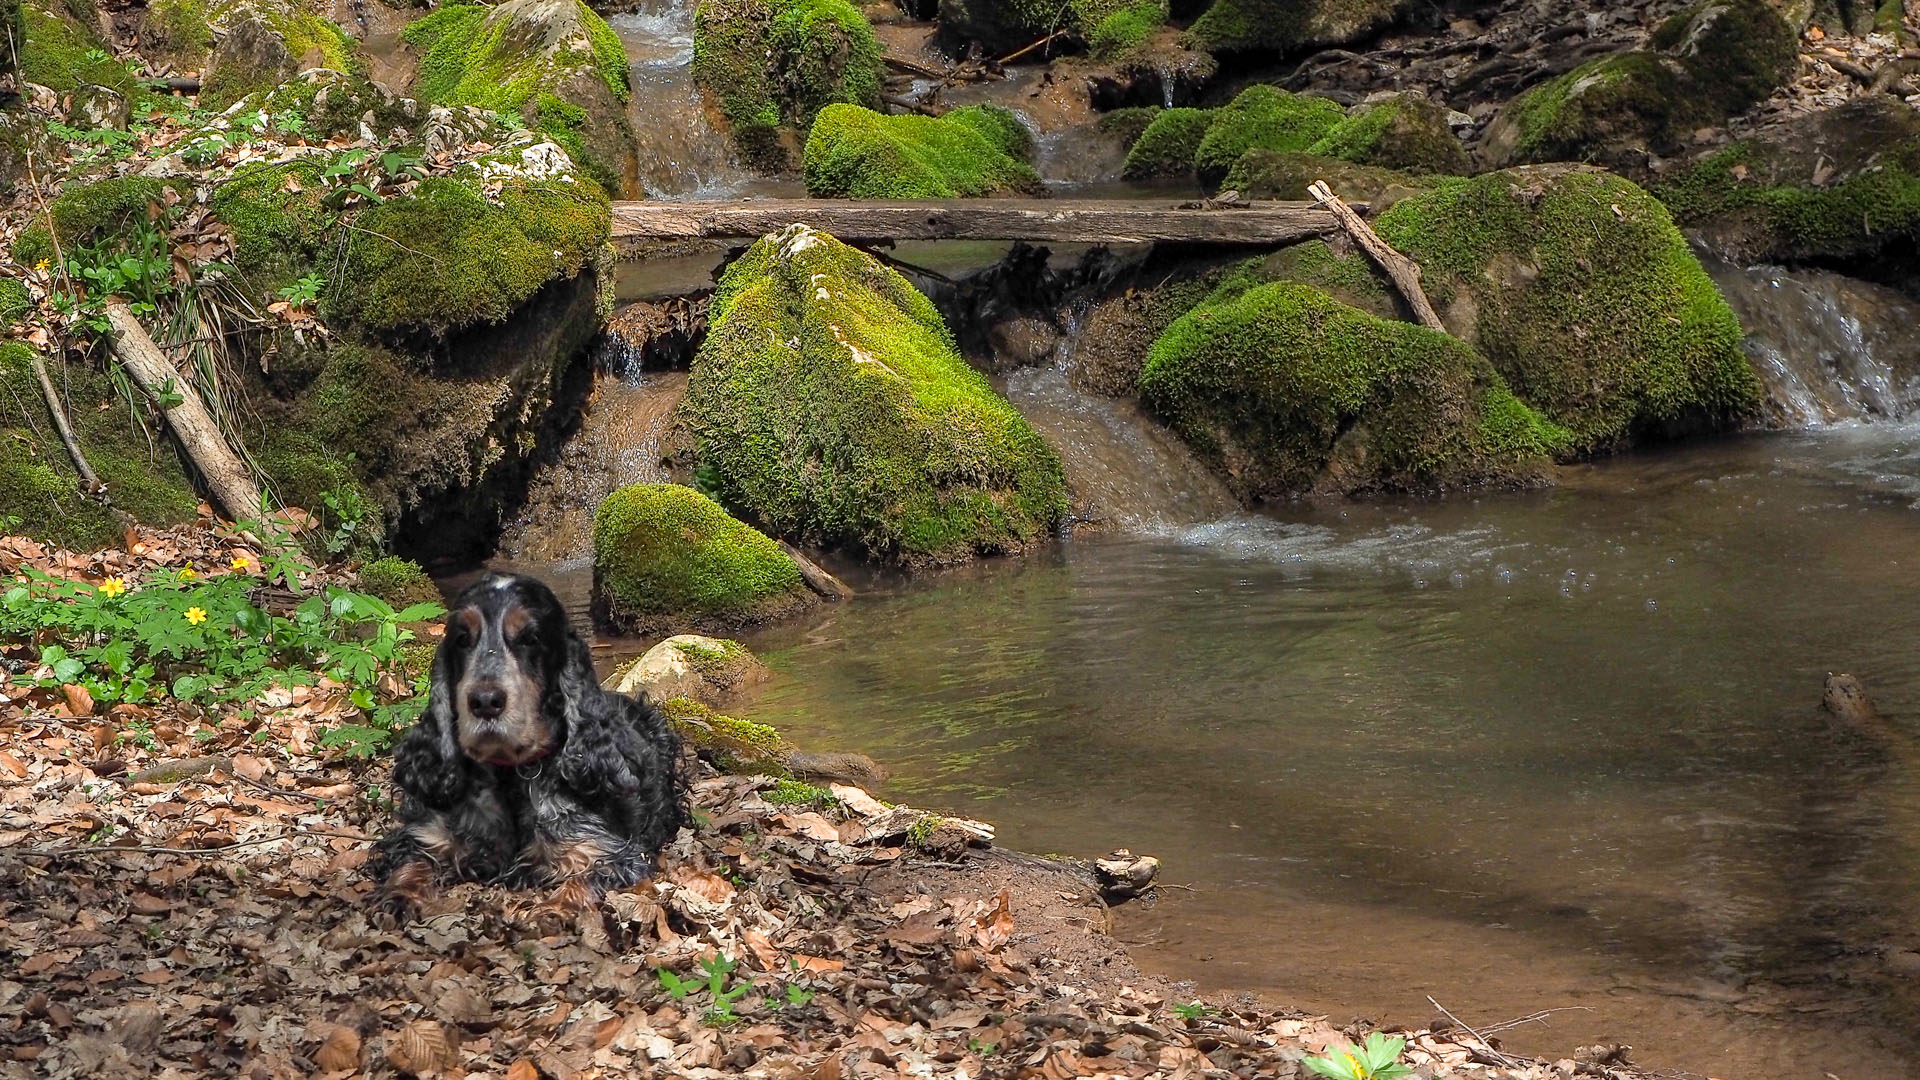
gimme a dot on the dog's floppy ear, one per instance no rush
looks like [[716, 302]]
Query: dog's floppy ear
[[591, 760], [428, 765]]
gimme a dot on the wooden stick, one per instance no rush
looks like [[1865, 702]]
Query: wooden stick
[[1404, 271], [226, 476], [1018, 53], [900, 101], [816, 576], [88, 479]]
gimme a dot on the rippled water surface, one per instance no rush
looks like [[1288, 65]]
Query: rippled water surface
[[1518, 752]]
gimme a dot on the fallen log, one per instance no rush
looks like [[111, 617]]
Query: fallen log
[[1083, 221], [1404, 271], [89, 480], [816, 577], [226, 476]]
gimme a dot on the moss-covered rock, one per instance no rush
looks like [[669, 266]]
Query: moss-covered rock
[[246, 46], [1407, 132], [1285, 26], [854, 152], [86, 213], [1278, 174], [554, 62], [775, 64], [1167, 145], [1126, 29], [731, 745], [39, 489], [62, 49], [1709, 63], [713, 671], [832, 407], [667, 556], [400, 582], [1266, 118], [450, 255], [999, 27], [15, 302], [1843, 184], [1578, 288], [1285, 390]]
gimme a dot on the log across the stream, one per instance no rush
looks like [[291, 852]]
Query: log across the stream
[[1081, 221]]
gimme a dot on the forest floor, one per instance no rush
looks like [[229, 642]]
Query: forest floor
[[182, 894]]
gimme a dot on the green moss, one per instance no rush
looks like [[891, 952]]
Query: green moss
[[447, 257], [1266, 117], [1585, 297], [832, 407], [1285, 174], [1167, 146], [1858, 215], [854, 152], [400, 582], [309, 40], [732, 745], [1126, 29], [1890, 18], [1285, 390], [1737, 51], [778, 63], [920, 834], [666, 553], [277, 220], [800, 793], [1628, 98], [1288, 25], [15, 301], [38, 484], [1407, 132], [62, 51], [1130, 123], [88, 213]]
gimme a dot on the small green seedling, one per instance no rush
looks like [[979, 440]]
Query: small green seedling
[[1192, 1010], [720, 1013], [1376, 1059]]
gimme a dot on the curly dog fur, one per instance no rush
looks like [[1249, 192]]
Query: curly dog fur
[[523, 770]]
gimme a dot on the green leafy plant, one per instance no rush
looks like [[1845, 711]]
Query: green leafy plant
[[204, 150], [1376, 1059], [719, 1012], [290, 123], [305, 292], [1192, 1010]]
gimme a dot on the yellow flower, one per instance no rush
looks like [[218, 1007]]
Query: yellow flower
[[113, 586], [242, 563], [189, 573], [42, 265], [196, 616]]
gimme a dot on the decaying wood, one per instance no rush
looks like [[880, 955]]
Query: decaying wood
[[1404, 271], [958, 73], [183, 86], [88, 479], [226, 476], [900, 101], [816, 576], [1084, 221]]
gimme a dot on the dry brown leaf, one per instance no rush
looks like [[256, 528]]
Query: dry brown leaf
[[148, 904], [421, 1048], [523, 1070], [339, 1051], [79, 701]]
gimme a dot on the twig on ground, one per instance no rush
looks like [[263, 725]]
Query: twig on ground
[[1532, 1018], [1503, 1059]]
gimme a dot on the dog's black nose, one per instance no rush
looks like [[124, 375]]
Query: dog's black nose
[[487, 702]]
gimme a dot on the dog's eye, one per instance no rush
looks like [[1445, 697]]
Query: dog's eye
[[460, 637]]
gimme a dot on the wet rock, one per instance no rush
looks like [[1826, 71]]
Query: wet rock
[[1276, 174], [733, 745], [712, 671], [1845, 699], [831, 405], [1124, 875], [775, 64], [1023, 341], [1282, 26], [1163, 72], [98, 107], [666, 556]]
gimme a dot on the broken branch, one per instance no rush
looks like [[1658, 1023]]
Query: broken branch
[[1404, 272]]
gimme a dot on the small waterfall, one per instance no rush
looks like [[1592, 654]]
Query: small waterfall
[[682, 150], [1829, 348], [1126, 471]]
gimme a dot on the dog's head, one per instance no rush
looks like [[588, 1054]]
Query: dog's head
[[507, 645]]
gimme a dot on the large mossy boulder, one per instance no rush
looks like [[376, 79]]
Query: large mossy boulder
[[1285, 391], [1266, 118], [246, 46], [775, 64], [980, 150], [40, 491], [669, 557], [1842, 184], [832, 407], [1408, 132], [61, 49], [1165, 148], [1580, 290], [1706, 64], [554, 62], [1405, 132], [1286, 26]]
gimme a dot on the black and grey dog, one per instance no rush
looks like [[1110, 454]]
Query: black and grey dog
[[522, 770]]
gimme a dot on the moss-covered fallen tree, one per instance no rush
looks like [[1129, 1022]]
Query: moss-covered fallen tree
[[831, 407], [971, 152]]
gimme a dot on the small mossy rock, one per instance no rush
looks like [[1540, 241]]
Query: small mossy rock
[[1738, 51], [1285, 390], [467, 249], [400, 582], [731, 745], [715, 672], [831, 404], [23, 137], [1408, 132], [1262, 117], [15, 302], [1168, 143], [62, 49], [554, 62], [1000, 27], [665, 555], [85, 213], [775, 64], [38, 485], [1285, 174], [1285, 26], [1580, 290], [1840, 184], [91, 106], [246, 46], [1126, 29], [854, 152]]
